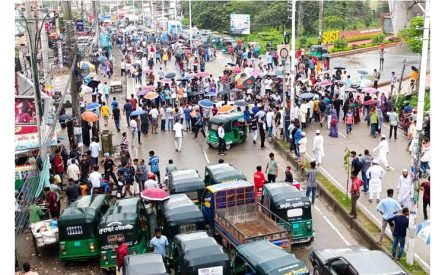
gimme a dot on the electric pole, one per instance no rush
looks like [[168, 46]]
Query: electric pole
[[71, 43], [292, 69], [401, 79], [320, 22], [44, 48]]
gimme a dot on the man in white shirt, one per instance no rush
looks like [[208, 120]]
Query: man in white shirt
[[404, 185], [269, 121], [95, 150], [221, 141], [95, 178], [133, 129], [178, 129], [302, 144], [151, 182], [154, 120], [318, 148], [73, 171], [383, 149], [375, 175], [268, 85]]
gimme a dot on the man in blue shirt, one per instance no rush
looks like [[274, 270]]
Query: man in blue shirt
[[106, 91], [114, 103], [255, 109], [127, 110], [188, 118], [388, 208], [153, 161], [159, 245], [297, 138], [399, 234]]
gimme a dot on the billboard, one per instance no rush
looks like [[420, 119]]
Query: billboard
[[240, 23], [26, 137], [25, 111]]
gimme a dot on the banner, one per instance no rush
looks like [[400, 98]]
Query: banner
[[240, 23], [25, 110], [26, 137], [104, 40], [79, 26]]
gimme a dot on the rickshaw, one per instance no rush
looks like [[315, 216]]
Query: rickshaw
[[77, 228], [197, 253], [264, 258], [318, 51], [216, 40], [293, 206], [228, 42], [180, 215], [235, 128], [186, 181], [126, 220], [144, 264], [256, 49], [222, 172]]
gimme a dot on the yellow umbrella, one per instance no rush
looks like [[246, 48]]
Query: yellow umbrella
[[225, 109], [151, 95], [89, 116]]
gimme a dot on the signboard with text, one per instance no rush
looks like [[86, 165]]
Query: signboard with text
[[25, 110], [356, 35], [240, 23]]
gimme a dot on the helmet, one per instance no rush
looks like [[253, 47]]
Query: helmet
[[414, 111], [151, 176]]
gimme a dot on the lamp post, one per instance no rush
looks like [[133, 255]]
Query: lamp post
[[190, 22], [292, 68]]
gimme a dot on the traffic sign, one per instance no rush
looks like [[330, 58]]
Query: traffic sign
[[283, 51]]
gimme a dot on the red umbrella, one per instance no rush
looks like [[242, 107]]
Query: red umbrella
[[325, 83], [370, 90], [202, 74], [370, 102], [236, 69], [149, 88], [154, 194]]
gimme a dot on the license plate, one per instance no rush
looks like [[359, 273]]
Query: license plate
[[76, 244]]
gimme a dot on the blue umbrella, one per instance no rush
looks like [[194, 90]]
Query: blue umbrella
[[241, 103], [424, 231], [306, 96], [102, 58], [85, 66], [93, 106], [362, 72], [205, 103], [137, 112], [339, 67]]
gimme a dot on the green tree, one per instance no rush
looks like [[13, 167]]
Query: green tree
[[413, 34], [378, 39], [340, 43]]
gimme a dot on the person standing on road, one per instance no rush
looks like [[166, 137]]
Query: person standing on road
[[288, 175], [259, 179], [109, 165], [116, 113], [272, 168], [254, 127], [401, 223], [179, 135], [318, 148], [393, 121], [404, 184], [106, 91], [302, 145], [262, 130], [105, 111], [221, 141], [154, 114], [297, 138], [376, 76], [375, 174], [72, 191], [394, 81], [374, 121], [153, 161], [383, 149], [311, 177], [128, 108], [356, 165], [53, 205], [27, 270], [159, 245], [382, 51], [425, 187], [388, 207], [199, 125], [122, 251], [95, 150], [366, 162], [355, 194]]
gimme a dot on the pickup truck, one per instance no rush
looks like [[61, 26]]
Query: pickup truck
[[235, 216], [353, 260]]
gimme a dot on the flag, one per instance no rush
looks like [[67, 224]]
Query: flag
[[249, 82]]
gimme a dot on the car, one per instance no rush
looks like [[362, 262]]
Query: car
[[353, 260]]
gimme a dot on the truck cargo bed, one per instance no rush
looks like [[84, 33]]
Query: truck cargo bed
[[260, 226]]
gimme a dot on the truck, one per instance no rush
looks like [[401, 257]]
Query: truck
[[235, 217]]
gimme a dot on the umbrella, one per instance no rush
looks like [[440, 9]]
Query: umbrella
[[271, 74], [154, 194], [325, 83], [231, 64], [149, 88], [370, 102], [236, 69], [142, 92], [89, 116], [170, 75], [279, 72], [147, 70], [370, 90], [424, 231], [235, 90], [225, 109], [205, 103], [166, 81], [306, 96], [241, 103], [202, 74], [371, 77], [183, 79], [86, 89], [339, 67], [137, 112], [225, 92], [93, 106], [65, 117], [350, 90], [256, 73], [54, 35], [86, 66], [151, 95], [102, 59], [362, 72], [355, 86]]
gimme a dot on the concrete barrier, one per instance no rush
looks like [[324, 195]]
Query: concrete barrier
[[362, 50]]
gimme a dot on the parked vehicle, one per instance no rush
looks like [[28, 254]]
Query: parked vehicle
[[292, 206], [353, 260], [197, 253], [187, 182], [126, 220], [78, 228], [215, 40], [235, 216], [264, 258], [144, 264], [235, 128], [318, 51], [222, 172], [228, 42], [256, 49]]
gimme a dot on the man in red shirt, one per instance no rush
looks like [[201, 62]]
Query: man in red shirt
[[355, 194], [122, 251], [214, 110], [133, 102], [259, 179], [58, 166], [425, 186], [53, 205]]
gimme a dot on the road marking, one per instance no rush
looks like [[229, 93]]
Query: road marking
[[205, 155], [332, 225]]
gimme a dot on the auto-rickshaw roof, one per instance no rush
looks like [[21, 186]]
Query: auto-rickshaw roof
[[145, 264], [225, 171], [224, 118], [269, 259], [180, 209], [200, 249], [285, 195], [124, 211], [230, 185], [85, 207], [313, 47], [186, 180]]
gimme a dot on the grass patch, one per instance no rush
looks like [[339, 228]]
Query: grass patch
[[364, 220]]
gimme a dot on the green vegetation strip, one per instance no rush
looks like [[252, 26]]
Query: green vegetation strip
[[372, 228]]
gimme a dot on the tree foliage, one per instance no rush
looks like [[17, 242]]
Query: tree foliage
[[340, 44], [413, 34], [378, 39]]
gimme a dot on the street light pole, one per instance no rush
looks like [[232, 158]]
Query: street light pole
[[190, 22], [417, 140], [292, 68], [320, 22]]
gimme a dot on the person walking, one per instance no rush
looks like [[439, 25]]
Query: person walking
[[253, 127], [404, 185], [95, 151], [122, 251], [425, 187], [393, 121], [374, 121], [154, 114], [356, 165], [221, 141], [382, 59], [375, 174], [349, 121], [116, 113], [153, 161], [355, 194], [383, 149], [259, 179], [105, 111], [376, 76], [128, 108], [311, 182], [272, 168], [53, 205], [394, 81], [159, 245], [366, 162], [401, 223], [262, 130], [199, 125], [388, 207], [297, 138], [318, 148], [302, 145], [178, 134]]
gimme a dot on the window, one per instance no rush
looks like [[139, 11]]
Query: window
[[292, 213], [340, 267]]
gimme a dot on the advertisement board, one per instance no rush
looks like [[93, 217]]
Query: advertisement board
[[240, 23], [26, 137], [25, 111]]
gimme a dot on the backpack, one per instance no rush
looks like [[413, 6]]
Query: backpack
[[333, 122]]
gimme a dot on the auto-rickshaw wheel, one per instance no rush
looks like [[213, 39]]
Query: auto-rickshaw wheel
[[228, 147], [211, 145]]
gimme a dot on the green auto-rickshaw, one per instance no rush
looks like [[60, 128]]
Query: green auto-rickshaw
[[318, 51], [285, 201], [222, 172], [256, 49], [197, 253], [264, 258], [216, 40], [187, 182], [180, 215], [126, 220], [228, 42], [77, 228], [144, 264], [235, 128]]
